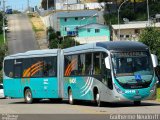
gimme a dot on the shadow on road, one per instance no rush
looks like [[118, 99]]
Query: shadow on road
[[92, 104]]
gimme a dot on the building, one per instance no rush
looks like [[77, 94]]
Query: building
[[93, 32], [66, 22], [51, 4], [71, 4], [131, 30], [70, 21]]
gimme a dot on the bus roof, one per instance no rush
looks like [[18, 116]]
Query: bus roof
[[34, 53], [123, 46], [110, 46]]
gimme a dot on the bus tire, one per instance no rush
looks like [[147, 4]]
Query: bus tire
[[138, 103], [28, 96], [98, 101], [70, 97], [55, 100]]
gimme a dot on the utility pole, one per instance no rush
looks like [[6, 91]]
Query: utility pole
[[47, 6], [4, 34], [148, 11], [28, 5], [118, 18]]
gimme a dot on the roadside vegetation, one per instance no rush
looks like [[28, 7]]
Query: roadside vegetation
[[3, 47], [133, 10], [151, 37], [56, 42], [39, 30], [158, 93]]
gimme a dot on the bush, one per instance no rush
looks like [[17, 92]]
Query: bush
[[151, 37], [69, 42], [56, 42], [3, 49], [1, 76]]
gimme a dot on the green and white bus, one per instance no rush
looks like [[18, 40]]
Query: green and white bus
[[100, 72], [109, 72]]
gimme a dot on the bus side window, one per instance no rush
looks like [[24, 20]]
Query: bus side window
[[97, 63], [88, 64], [8, 68], [18, 68], [49, 67], [74, 65], [26, 68], [36, 67], [106, 73], [67, 64]]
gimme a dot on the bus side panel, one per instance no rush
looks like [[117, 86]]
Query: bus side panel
[[12, 88], [81, 87], [8, 84], [42, 87]]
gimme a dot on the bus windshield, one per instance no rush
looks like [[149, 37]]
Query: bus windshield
[[132, 68]]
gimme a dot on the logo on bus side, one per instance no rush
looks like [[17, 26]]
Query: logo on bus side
[[72, 80]]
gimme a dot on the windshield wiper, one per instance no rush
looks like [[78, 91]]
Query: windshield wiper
[[140, 80]]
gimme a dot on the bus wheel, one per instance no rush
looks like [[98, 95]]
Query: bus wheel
[[137, 103], [55, 100], [28, 96], [98, 101], [70, 97]]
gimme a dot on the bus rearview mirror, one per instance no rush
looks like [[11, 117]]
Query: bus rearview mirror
[[154, 60], [107, 63]]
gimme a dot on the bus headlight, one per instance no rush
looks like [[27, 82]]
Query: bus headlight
[[118, 89], [153, 88]]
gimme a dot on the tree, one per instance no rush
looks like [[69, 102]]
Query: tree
[[69, 42], [151, 37], [55, 40]]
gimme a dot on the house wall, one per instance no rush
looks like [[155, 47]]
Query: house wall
[[89, 37], [127, 34], [83, 40], [77, 6], [51, 21], [71, 24], [85, 33]]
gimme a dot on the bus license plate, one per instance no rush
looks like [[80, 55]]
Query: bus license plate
[[137, 97]]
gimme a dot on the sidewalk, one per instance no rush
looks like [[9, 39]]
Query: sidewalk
[[40, 31]]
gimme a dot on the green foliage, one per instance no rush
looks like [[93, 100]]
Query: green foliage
[[1, 39], [1, 23], [3, 49], [134, 10], [16, 12], [151, 37], [56, 42], [69, 42], [1, 76], [111, 18], [158, 93]]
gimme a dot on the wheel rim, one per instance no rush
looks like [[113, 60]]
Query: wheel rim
[[98, 100], [97, 97], [70, 97], [28, 96]]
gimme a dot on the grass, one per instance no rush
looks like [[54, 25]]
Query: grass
[[158, 93], [1, 39]]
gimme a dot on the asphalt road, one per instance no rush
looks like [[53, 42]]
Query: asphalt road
[[46, 107], [20, 35]]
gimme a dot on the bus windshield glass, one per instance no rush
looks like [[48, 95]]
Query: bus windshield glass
[[132, 68]]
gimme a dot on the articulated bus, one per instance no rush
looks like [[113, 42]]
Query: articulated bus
[[99, 72], [33, 75]]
